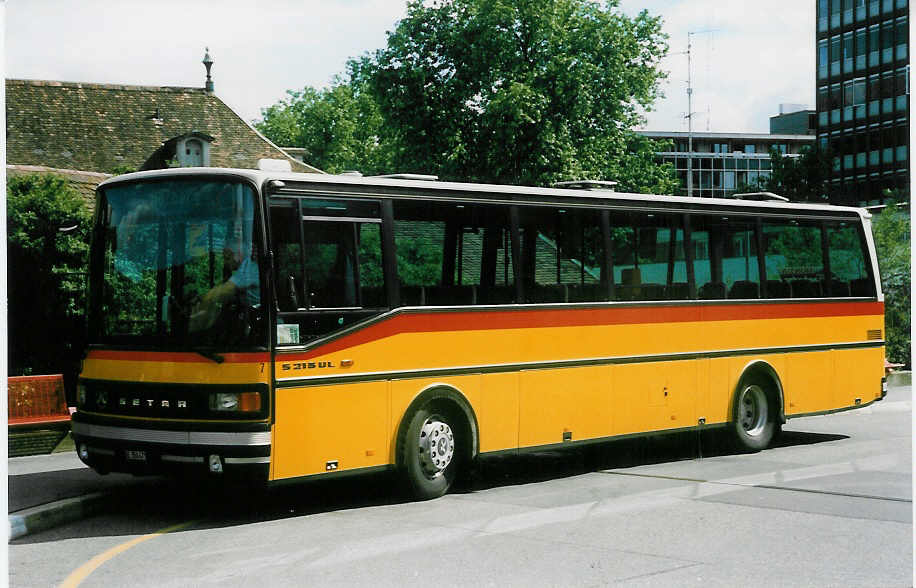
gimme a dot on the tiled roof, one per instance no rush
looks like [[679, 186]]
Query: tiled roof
[[103, 127]]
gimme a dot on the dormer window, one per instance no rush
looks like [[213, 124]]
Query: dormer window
[[193, 150], [188, 150]]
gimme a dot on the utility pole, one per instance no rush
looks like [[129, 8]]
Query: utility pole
[[690, 111]]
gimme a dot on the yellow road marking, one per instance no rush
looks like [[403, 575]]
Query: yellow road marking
[[81, 573]]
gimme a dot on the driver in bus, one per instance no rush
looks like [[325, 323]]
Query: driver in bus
[[243, 285]]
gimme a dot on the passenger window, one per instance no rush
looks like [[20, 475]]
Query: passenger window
[[328, 259], [648, 257], [794, 259], [849, 266], [453, 254], [562, 254], [726, 263]]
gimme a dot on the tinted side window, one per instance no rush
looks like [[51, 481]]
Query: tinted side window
[[849, 263], [562, 255], [453, 254], [794, 259], [648, 256], [328, 259]]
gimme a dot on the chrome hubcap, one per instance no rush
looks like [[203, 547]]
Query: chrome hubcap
[[437, 446], [752, 407]]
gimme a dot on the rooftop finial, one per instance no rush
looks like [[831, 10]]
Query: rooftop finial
[[208, 62]]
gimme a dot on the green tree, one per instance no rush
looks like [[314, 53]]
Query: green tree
[[46, 274], [804, 178], [891, 229], [340, 128], [519, 91]]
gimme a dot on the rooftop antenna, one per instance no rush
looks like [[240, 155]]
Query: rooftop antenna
[[690, 111]]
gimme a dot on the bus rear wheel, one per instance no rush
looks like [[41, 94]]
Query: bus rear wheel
[[754, 423], [430, 453]]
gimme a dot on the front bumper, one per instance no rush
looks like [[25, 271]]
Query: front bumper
[[116, 447]]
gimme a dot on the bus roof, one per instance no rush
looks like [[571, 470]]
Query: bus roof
[[484, 191]]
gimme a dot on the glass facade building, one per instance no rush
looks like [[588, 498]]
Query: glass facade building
[[863, 107], [723, 163]]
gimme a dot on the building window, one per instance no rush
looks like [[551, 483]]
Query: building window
[[874, 95], [821, 15], [835, 10], [847, 12], [903, 87], [901, 38], [887, 42], [887, 92], [836, 51], [861, 48], [848, 52], [822, 68], [750, 148], [874, 45], [860, 10], [873, 7], [781, 148]]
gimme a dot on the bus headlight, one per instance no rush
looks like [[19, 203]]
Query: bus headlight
[[235, 401]]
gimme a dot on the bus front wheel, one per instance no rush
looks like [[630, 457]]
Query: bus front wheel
[[429, 452], [754, 424]]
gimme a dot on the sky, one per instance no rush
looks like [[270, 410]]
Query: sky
[[756, 55]]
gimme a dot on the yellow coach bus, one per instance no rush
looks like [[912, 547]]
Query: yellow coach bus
[[294, 326]]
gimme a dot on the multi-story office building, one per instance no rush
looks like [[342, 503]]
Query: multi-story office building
[[863, 96], [794, 119], [722, 163]]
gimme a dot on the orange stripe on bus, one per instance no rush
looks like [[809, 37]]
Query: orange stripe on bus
[[175, 357], [539, 318]]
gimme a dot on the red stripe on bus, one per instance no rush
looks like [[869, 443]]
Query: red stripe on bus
[[539, 318], [175, 356]]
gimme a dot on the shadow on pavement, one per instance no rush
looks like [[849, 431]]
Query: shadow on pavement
[[160, 502]]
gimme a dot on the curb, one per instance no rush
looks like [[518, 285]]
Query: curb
[[47, 516], [897, 379]]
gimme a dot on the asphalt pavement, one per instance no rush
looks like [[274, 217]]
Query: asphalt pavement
[[46, 491]]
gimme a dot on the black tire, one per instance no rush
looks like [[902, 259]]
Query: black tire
[[430, 452], [754, 419]]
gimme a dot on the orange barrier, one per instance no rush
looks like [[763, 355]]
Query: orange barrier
[[37, 399]]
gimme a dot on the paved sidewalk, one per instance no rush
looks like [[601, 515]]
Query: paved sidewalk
[[49, 490]]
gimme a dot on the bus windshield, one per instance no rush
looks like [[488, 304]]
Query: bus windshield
[[175, 263]]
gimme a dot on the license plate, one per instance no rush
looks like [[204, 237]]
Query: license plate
[[134, 455]]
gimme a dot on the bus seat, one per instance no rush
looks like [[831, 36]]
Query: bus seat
[[862, 287], [630, 281], [496, 295], [541, 293], [839, 288], [712, 291], [677, 291], [805, 288], [374, 297], [413, 296], [778, 289], [744, 289], [450, 295], [652, 292], [587, 293]]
